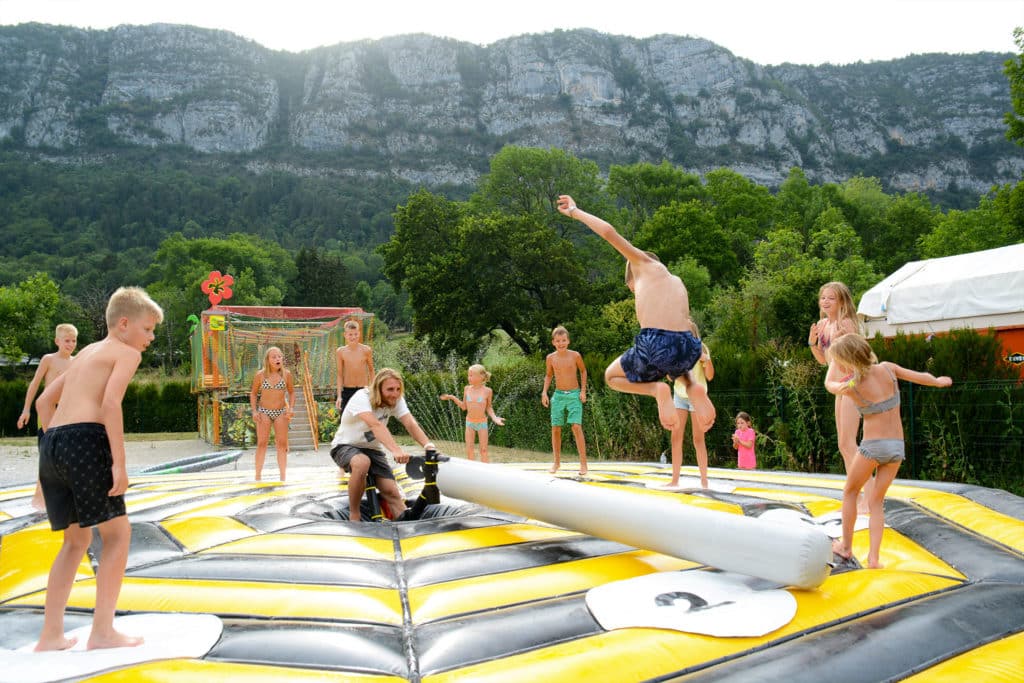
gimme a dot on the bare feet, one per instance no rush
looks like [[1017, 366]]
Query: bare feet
[[873, 563], [583, 471], [112, 639], [61, 643], [841, 550], [862, 504], [554, 469], [666, 409]]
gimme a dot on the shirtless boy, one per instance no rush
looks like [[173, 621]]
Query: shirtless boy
[[82, 466], [51, 367], [666, 345], [570, 395], [355, 365]]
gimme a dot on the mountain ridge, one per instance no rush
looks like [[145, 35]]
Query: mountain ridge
[[433, 110]]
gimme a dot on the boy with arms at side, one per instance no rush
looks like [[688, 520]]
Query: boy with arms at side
[[82, 466], [666, 345], [567, 401], [50, 368], [355, 365]]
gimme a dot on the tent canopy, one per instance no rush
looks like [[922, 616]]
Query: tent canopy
[[981, 289]]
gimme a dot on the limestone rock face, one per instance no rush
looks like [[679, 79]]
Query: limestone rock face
[[434, 110]]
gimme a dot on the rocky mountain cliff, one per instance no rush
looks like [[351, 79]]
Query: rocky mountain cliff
[[434, 110]]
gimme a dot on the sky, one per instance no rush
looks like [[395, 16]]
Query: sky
[[763, 31]]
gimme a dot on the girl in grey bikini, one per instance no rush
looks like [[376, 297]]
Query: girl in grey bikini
[[855, 372], [271, 398]]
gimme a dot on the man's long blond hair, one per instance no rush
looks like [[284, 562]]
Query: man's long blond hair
[[376, 400]]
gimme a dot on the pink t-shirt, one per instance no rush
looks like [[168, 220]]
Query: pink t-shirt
[[745, 458]]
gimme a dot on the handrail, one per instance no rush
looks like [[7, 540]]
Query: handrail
[[311, 408]]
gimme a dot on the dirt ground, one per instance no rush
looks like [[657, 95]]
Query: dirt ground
[[19, 461]]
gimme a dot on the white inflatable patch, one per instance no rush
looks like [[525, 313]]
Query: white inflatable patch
[[710, 603], [831, 523], [167, 636]]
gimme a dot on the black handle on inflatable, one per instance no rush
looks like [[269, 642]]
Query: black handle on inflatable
[[419, 465], [423, 467]]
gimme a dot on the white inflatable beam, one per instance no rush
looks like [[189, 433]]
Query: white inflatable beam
[[792, 555]]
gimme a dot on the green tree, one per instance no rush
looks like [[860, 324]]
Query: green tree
[[960, 232], [683, 229], [525, 181], [469, 274], [643, 188], [26, 315], [743, 209], [1014, 70], [261, 269], [321, 279]]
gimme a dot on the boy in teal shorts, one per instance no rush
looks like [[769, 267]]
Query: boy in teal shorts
[[567, 401]]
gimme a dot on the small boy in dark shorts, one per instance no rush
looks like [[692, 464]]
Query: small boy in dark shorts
[[82, 466], [666, 345]]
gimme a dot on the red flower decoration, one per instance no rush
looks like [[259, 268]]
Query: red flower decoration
[[218, 287]]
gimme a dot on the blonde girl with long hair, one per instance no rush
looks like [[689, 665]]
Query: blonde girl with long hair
[[271, 398], [855, 374]]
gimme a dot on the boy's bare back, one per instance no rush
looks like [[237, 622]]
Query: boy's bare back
[[99, 370]]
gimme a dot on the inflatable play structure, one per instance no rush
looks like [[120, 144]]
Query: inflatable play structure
[[506, 573], [981, 290], [228, 344]]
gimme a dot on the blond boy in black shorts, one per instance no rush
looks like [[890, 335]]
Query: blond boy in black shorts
[[82, 466]]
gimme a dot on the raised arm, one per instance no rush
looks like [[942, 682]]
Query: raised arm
[[925, 378], [568, 207]]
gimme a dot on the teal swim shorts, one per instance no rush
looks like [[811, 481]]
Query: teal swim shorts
[[566, 407]]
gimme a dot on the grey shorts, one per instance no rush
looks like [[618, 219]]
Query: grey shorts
[[883, 451], [342, 455]]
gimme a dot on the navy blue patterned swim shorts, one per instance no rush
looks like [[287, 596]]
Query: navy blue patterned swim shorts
[[657, 354], [75, 471]]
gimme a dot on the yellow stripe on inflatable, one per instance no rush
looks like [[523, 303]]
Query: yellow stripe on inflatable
[[428, 545], [978, 519], [640, 654], [199, 533], [903, 554], [314, 545], [999, 662], [25, 559], [373, 605], [200, 671], [509, 588]]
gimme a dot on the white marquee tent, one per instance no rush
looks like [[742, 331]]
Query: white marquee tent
[[979, 290]]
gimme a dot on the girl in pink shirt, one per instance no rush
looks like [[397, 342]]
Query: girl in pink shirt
[[743, 442]]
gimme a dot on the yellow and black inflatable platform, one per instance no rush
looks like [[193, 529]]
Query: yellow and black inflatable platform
[[468, 592]]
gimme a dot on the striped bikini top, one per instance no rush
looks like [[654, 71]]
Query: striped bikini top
[[883, 405]]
